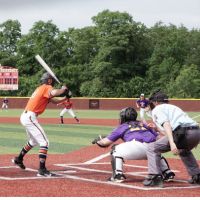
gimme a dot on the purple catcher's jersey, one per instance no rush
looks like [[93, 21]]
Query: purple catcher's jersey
[[143, 103], [133, 130]]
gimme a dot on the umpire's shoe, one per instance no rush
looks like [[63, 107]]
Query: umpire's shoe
[[118, 178], [44, 172], [153, 180], [18, 162], [195, 179]]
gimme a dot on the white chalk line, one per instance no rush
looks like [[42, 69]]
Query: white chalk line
[[97, 158], [92, 162]]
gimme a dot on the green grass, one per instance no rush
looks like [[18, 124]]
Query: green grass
[[53, 113], [63, 138], [97, 114]]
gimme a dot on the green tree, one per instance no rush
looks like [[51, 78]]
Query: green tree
[[121, 50], [10, 34], [169, 54], [187, 84]]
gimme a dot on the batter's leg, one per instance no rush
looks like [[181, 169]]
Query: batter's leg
[[19, 160]]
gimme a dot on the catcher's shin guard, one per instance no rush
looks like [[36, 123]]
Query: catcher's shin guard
[[116, 162], [167, 173]]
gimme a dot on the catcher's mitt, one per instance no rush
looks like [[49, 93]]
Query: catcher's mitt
[[98, 139]]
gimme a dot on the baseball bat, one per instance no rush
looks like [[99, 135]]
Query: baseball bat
[[46, 67]]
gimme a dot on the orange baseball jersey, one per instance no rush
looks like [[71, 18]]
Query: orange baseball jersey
[[68, 104], [39, 99]]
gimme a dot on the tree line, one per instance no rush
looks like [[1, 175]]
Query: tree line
[[115, 57]]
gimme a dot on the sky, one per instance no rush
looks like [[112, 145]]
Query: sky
[[78, 13]]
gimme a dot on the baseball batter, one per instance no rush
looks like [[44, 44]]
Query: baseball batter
[[142, 103], [68, 108], [136, 137], [36, 135], [182, 134]]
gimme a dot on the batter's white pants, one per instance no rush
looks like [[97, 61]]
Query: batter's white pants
[[70, 111], [34, 131], [133, 150]]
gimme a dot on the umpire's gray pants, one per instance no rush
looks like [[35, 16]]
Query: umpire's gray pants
[[162, 145]]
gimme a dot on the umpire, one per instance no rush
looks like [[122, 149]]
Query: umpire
[[181, 135]]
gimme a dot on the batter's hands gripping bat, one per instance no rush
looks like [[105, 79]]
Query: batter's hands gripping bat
[[46, 67]]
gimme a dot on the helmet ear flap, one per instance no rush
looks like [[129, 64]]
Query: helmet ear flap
[[45, 79]]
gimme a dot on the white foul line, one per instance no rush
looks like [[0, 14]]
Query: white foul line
[[97, 158]]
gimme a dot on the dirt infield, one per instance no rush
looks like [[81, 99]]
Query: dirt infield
[[84, 173], [100, 122]]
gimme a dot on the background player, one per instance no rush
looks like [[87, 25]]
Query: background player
[[36, 106], [5, 102], [142, 103], [136, 137], [68, 108]]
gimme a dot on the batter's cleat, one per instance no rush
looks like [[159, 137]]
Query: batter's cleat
[[168, 176], [195, 179], [118, 178], [44, 172], [153, 180], [18, 162]]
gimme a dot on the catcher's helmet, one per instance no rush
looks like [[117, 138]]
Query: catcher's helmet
[[45, 79], [128, 114], [159, 96]]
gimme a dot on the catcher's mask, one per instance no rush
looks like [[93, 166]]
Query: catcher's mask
[[47, 79], [128, 114], [158, 96]]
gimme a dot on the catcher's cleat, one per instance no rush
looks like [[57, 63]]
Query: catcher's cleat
[[18, 162], [118, 178], [195, 179], [168, 176], [44, 172], [153, 180]]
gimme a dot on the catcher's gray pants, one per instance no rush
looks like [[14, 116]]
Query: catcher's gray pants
[[162, 145]]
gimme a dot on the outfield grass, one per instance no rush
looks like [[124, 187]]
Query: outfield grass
[[63, 138], [53, 113], [97, 114]]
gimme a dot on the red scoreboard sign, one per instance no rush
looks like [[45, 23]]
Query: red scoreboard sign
[[8, 78]]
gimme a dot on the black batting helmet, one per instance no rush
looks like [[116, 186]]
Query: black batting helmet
[[159, 96], [128, 114], [45, 79]]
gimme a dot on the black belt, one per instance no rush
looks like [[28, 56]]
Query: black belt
[[186, 127]]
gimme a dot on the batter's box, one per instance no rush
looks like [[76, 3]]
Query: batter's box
[[15, 173], [92, 173]]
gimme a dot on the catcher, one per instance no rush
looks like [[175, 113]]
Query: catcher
[[136, 137]]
